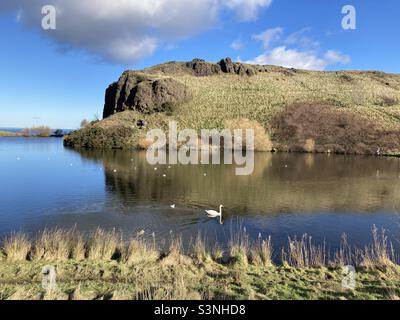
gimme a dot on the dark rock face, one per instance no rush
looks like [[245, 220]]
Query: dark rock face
[[201, 68], [227, 66], [142, 93]]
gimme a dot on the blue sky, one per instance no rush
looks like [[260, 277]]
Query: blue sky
[[58, 77]]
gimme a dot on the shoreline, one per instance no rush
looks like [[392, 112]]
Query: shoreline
[[100, 265]]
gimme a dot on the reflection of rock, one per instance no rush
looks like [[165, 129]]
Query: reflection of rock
[[280, 183], [142, 93]]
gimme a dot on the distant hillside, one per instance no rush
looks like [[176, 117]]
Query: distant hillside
[[307, 111]]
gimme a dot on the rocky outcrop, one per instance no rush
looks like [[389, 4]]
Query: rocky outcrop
[[201, 68], [227, 66], [142, 93]]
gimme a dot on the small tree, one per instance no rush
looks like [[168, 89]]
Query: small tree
[[84, 123], [58, 133]]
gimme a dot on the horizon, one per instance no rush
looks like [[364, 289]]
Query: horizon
[[61, 78]]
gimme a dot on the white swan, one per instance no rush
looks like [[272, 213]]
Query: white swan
[[215, 214]]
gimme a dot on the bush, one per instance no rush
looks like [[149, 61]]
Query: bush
[[325, 128], [40, 131], [261, 141]]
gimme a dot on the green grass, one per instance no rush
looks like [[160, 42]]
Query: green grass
[[134, 269]]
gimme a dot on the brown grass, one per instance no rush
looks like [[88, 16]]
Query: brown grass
[[17, 247], [261, 253], [380, 253], [261, 142], [103, 245], [39, 131], [304, 253], [327, 128], [52, 245], [62, 245], [138, 251]]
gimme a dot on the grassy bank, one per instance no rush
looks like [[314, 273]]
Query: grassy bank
[[9, 134], [104, 266]]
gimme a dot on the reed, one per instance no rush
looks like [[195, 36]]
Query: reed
[[17, 247], [103, 245], [62, 245]]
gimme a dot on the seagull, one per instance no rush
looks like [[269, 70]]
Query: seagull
[[141, 233], [215, 214], [172, 206]]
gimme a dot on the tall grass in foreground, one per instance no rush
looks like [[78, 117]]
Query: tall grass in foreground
[[63, 245], [16, 247]]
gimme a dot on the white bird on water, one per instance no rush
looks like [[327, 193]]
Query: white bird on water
[[215, 214], [172, 206]]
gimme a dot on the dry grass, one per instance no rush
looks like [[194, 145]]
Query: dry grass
[[261, 141], [52, 245], [380, 253], [17, 247], [103, 245], [39, 131], [141, 271], [309, 127], [8, 134], [138, 251], [199, 250], [261, 253], [304, 253], [239, 247]]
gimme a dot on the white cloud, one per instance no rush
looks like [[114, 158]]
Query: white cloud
[[303, 56], [334, 57], [237, 45], [291, 58], [125, 31], [301, 39], [247, 10], [269, 36]]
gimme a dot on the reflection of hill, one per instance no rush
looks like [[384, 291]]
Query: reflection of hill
[[280, 183]]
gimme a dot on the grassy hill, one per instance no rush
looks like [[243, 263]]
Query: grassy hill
[[311, 111]]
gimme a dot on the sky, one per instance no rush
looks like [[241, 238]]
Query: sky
[[57, 77]]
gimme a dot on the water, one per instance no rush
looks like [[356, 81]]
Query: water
[[42, 184]]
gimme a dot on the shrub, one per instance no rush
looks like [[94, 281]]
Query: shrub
[[40, 131], [261, 141], [322, 128]]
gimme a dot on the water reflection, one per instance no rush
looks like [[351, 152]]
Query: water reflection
[[281, 183], [45, 185]]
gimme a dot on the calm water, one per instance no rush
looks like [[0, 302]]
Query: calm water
[[42, 184]]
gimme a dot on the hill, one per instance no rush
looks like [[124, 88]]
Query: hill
[[353, 112]]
